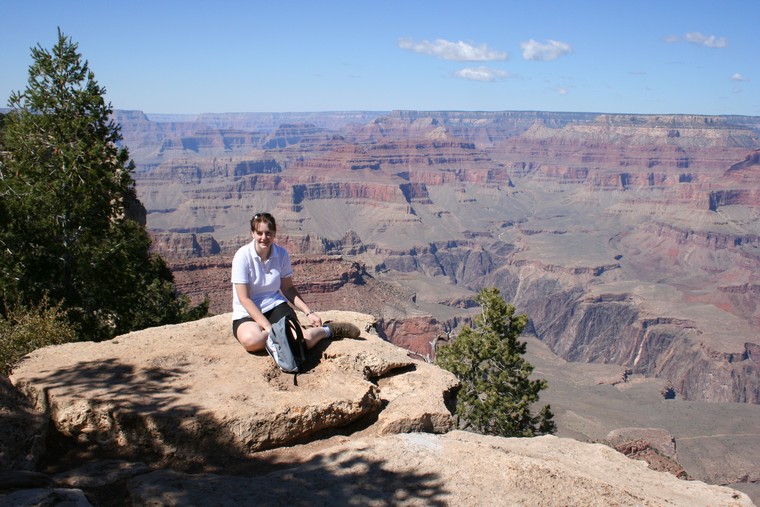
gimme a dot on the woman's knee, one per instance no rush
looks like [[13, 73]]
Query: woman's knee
[[252, 344], [251, 337]]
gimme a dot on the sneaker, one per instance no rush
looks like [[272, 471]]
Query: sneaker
[[343, 330]]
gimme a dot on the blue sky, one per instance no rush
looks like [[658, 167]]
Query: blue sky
[[166, 56]]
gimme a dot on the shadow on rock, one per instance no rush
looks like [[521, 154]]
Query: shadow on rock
[[339, 478], [130, 413]]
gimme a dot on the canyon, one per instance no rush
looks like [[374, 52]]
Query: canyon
[[632, 242]]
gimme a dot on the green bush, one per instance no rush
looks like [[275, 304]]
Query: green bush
[[24, 330], [497, 390]]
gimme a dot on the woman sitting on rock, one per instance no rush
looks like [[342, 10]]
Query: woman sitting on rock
[[263, 286]]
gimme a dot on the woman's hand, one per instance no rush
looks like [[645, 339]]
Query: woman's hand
[[314, 319]]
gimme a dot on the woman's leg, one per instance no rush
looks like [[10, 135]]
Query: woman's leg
[[251, 336], [313, 335]]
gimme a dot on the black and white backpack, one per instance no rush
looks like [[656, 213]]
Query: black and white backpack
[[287, 346]]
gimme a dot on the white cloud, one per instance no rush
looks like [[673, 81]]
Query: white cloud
[[456, 51], [482, 74], [737, 77], [534, 50], [703, 40], [670, 39], [561, 90]]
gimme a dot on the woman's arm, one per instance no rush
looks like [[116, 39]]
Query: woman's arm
[[291, 294]]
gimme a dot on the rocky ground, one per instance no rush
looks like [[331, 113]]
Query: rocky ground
[[181, 415]]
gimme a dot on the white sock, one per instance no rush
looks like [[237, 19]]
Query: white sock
[[327, 331]]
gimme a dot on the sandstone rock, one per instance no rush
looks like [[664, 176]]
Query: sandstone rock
[[457, 468], [235, 430], [655, 437], [99, 473], [22, 430], [409, 408], [176, 391], [655, 446]]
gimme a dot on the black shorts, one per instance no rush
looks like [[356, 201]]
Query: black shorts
[[272, 315]]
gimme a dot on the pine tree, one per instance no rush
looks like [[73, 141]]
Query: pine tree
[[496, 391], [70, 231]]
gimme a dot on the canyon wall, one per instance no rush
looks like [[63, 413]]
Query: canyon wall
[[627, 239]]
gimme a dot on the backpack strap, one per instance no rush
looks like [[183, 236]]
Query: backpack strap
[[297, 342]]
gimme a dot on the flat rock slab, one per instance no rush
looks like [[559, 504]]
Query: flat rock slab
[[458, 468], [192, 389]]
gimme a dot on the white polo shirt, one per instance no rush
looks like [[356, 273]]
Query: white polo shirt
[[262, 278]]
